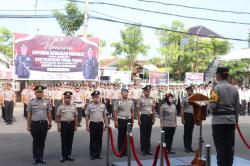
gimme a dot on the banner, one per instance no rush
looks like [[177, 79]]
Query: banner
[[40, 57], [194, 78], [157, 78], [118, 76]]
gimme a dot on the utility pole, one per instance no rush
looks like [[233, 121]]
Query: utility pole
[[85, 24]]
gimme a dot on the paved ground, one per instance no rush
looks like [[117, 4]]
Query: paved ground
[[16, 143]]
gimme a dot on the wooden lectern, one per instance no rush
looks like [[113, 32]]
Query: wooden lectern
[[199, 103]]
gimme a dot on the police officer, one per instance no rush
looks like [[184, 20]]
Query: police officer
[[224, 103], [123, 113], [38, 123], [188, 120], [23, 63], [78, 101], [168, 120], [9, 99], [90, 64], [66, 125], [96, 118], [1, 101], [24, 99], [146, 119]]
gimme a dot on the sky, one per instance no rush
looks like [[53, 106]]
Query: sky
[[110, 32]]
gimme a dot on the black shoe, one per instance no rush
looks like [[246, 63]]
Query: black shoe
[[42, 161], [92, 158], [171, 152], [187, 150], [63, 160], [36, 162], [79, 125], [70, 158], [99, 157], [144, 153], [125, 154], [191, 150], [149, 153]]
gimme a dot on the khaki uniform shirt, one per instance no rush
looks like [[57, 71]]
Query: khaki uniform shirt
[[67, 112], [124, 108], [96, 112], [39, 109], [146, 105]]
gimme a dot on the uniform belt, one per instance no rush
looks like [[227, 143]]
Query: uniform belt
[[149, 114], [40, 121], [124, 117], [223, 113], [8, 100], [77, 102], [67, 121], [96, 122]]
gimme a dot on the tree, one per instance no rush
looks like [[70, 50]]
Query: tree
[[71, 21], [179, 58], [6, 42], [238, 69], [170, 49], [130, 46]]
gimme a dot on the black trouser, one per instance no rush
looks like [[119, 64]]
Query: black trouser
[[39, 131], [145, 132], [243, 107], [248, 108], [135, 112], [57, 103], [169, 135], [3, 113], [24, 110], [188, 130], [8, 108], [67, 135], [79, 111], [122, 131], [224, 135], [96, 132], [53, 113]]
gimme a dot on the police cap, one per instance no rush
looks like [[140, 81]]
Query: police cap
[[124, 89], [39, 88], [67, 93], [147, 87], [222, 70], [191, 87], [95, 93]]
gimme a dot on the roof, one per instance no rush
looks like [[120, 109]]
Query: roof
[[109, 62], [203, 31]]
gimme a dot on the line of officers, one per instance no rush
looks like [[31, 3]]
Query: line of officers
[[39, 121]]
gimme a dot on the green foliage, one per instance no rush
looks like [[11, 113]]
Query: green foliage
[[178, 58], [239, 69], [71, 21], [6, 42], [130, 46]]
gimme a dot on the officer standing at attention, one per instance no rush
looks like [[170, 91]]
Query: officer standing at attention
[[78, 101], [96, 118], [9, 100], [38, 123], [187, 118], [224, 103], [123, 113], [146, 118], [66, 125]]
